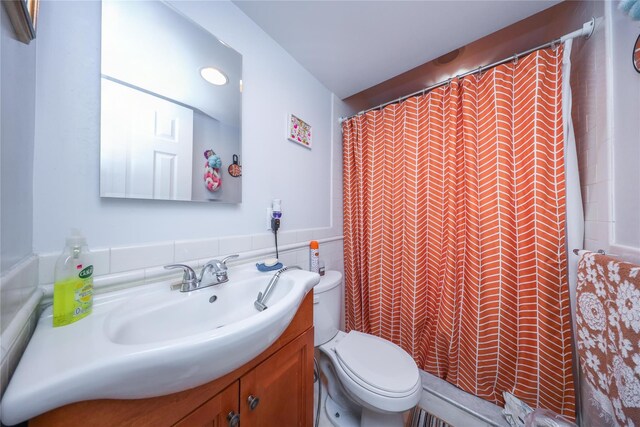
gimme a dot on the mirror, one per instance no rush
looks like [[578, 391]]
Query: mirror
[[166, 132], [636, 55]]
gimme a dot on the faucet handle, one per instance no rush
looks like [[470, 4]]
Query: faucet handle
[[225, 259], [189, 278]]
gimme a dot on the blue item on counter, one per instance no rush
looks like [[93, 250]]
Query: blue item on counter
[[262, 267]]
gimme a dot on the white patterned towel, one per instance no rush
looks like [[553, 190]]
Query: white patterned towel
[[608, 323]]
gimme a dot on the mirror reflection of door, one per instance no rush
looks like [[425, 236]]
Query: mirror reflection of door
[[636, 55], [147, 145], [159, 112]]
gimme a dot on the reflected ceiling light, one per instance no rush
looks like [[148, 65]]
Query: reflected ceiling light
[[214, 76]]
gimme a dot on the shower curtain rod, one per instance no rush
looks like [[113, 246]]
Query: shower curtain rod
[[585, 31]]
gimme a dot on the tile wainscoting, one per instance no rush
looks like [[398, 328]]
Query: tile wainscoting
[[19, 296], [125, 266]]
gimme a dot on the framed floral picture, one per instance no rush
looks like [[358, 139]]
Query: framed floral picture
[[299, 131]]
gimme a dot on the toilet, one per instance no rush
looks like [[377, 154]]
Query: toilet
[[370, 381]]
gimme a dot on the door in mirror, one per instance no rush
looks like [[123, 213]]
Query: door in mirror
[[169, 130]]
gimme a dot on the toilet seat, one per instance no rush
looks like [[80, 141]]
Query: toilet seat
[[377, 365]]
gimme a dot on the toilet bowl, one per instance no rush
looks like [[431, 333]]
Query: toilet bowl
[[370, 381]]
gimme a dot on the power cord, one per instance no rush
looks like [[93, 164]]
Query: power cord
[[275, 225]]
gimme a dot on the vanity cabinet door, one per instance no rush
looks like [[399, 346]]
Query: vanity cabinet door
[[216, 412], [279, 391]]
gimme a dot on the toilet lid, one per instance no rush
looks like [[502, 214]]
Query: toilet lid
[[377, 363]]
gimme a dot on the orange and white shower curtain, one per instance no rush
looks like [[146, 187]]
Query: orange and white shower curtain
[[454, 231]]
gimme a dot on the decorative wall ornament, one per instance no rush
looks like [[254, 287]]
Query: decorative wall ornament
[[212, 171], [235, 170], [299, 131]]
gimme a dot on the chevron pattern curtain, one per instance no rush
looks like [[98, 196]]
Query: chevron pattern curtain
[[454, 234]]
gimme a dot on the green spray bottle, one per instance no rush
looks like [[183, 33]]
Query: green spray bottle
[[73, 285]]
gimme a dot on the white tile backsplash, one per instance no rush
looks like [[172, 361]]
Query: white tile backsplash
[[323, 233], [47, 262], [287, 238], [10, 303], [235, 244], [101, 259], [134, 257], [121, 267], [290, 258], [302, 258], [304, 235], [152, 274], [133, 276], [16, 286], [19, 298], [262, 241], [46, 266], [186, 250]]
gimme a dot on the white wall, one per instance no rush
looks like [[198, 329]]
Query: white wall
[[590, 119], [67, 138], [625, 137], [18, 267], [17, 94], [605, 114]]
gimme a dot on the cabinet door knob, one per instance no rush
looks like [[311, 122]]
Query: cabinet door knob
[[234, 419], [253, 402]]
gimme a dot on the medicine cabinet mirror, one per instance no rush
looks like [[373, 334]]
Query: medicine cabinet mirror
[[170, 107]]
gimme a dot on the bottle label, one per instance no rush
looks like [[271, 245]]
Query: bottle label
[[313, 260], [86, 273], [73, 298]]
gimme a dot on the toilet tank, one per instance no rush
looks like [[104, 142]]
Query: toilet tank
[[326, 307]]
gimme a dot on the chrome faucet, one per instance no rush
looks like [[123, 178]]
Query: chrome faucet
[[259, 303], [191, 282], [219, 269]]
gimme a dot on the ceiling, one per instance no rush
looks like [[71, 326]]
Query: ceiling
[[352, 45]]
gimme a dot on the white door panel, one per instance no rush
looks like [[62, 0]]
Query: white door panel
[[154, 135]]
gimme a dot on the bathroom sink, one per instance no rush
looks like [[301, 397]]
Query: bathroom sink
[[150, 341], [167, 316]]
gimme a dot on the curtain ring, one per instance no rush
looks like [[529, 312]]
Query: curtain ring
[[449, 81], [554, 45], [479, 72], [515, 59]]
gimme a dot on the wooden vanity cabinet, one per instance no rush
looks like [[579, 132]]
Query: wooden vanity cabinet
[[284, 386], [274, 389], [216, 412]]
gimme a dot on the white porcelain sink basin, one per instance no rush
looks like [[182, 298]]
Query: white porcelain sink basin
[[152, 341], [163, 316]]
